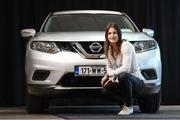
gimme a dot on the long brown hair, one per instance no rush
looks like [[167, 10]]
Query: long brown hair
[[107, 44]]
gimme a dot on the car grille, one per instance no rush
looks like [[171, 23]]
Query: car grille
[[87, 47], [70, 80], [88, 50]]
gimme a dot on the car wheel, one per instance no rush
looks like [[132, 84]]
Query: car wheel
[[35, 104], [150, 103]]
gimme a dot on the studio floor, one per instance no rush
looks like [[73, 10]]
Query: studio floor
[[88, 112]]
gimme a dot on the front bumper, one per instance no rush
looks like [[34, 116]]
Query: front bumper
[[63, 63], [58, 90]]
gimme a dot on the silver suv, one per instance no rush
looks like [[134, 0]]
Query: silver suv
[[66, 56]]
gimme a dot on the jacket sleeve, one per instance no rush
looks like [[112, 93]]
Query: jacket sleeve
[[126, 51]]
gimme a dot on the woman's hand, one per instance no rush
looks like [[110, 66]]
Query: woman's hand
[[107, 82], [104, 80]]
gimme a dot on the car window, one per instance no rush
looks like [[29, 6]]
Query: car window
[[85, 22]]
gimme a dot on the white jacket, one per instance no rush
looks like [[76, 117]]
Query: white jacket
[[125, 62]]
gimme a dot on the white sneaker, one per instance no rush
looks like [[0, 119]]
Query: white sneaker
[[126, 111]]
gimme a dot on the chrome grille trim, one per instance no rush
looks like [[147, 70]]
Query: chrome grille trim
[[78, 47]]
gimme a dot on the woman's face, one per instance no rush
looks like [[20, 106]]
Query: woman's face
[[112, 35]]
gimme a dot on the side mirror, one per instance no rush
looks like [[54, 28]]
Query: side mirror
[[148, 32], [27, 33]]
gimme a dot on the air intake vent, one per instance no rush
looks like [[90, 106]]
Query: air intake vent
[[40, 75], [149, 74]]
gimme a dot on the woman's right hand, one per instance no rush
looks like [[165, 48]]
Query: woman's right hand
[[107, 82], [104, 80]]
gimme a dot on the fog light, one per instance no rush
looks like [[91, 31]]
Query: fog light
[[149, 74], [40, 75]]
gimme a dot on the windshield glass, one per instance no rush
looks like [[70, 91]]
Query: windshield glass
[[86, 22]]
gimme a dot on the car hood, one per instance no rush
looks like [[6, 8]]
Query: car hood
[[87, 36]]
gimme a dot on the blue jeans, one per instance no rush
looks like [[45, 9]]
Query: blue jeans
[[123, 91]]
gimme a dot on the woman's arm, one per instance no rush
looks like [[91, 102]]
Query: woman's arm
[[126, 51]]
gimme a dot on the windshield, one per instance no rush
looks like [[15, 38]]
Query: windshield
[[86, 22]]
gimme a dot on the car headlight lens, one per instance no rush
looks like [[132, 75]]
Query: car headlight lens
[[142, 46], [66, 46], [47, 47]]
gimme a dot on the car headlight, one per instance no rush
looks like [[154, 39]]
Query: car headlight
[[66, 46], [47, 47], [142, 46]]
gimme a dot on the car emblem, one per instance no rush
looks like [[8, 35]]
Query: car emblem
[[95, 47]]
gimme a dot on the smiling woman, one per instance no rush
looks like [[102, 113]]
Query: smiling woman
[[112, 35], [123, 79]]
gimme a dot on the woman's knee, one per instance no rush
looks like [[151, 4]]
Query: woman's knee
[[123, 77]]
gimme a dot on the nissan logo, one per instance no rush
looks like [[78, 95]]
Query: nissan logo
[[95, 47]]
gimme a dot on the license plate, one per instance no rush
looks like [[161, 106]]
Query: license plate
[[90, 70]]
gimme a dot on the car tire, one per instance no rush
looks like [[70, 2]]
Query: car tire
[[150, 103], [35, 104]]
